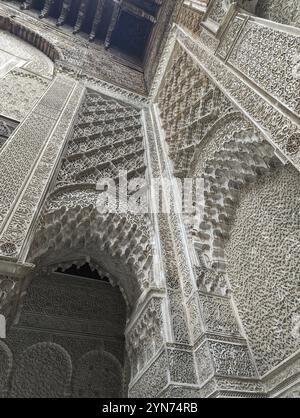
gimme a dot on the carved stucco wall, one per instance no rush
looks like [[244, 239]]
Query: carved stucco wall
[[207, 136], [6, 362], [42, 371], [263, 265], [287, 12], [98, 375], [168, 13], [20, 91], [210, 139], [107, 137], [190, 104], [7, 126], [35, 61], [69, 342], [190, 18], [24, 76], [75, 55]]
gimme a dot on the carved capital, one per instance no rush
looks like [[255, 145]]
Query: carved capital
[[211, 281], [12, 293], [8, 293], [144, 339]]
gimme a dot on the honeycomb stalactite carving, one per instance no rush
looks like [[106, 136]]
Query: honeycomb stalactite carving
[[189, 104], [118, 243], [145, 339], [107, 138], [239, 162], [216, 314]]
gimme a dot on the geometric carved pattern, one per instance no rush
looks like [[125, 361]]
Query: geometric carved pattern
[[239, 158], [189, 104], [287, 12], [19, 92], [97, 375], [263, 267], [223, 359], [218, 10], [248, 56], [34, 61], [118, 244], [278, 126], [42, 371], [18, 156], [190, 18], [107, 138], [19, 159], [218, 315], [237, 163], [152, 381], [231, 359], [83, 316], [145, 338]]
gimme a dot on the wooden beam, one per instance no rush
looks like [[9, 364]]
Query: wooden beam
[[46, 9], [113, 22], [137, 11], [80, 16], [26, 5], [66, 6], [97, 19]]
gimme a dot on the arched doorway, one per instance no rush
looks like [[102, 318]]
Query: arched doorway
[[70, 340]]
